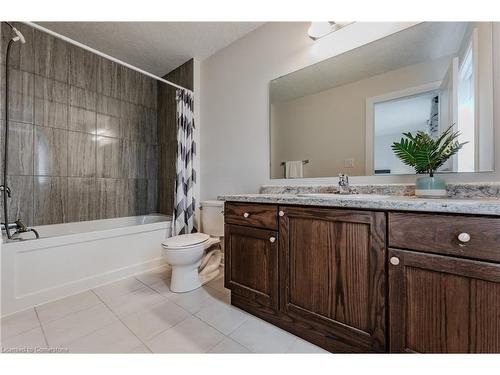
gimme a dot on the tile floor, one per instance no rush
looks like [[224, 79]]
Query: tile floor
[[141, 315]]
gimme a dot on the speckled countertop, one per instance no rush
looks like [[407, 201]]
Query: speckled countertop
[[479, 205]]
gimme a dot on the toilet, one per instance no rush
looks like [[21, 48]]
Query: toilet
[[191, 265]]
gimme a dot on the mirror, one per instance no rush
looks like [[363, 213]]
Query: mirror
[[343, 114]]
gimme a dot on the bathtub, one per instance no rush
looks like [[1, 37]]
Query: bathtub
[[73, 257]]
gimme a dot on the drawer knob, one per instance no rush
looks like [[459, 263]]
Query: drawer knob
[[281, 213], [246, 214], [394, 261], [464, 237], [272, 239]]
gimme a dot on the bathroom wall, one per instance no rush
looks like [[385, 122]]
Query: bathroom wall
[[167, 133], [234, 103], [83, 134]]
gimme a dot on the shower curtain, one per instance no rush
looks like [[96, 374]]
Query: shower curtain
[[433, 122], [184, 202]]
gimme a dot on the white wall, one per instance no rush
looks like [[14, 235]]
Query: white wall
[[234, 103], [385, 158], [196, 136]]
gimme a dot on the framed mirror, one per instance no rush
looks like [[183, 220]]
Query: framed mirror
[[342, 115]]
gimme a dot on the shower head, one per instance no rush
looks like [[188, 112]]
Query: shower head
[[19, 36]]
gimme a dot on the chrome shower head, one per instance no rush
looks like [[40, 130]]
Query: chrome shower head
[[19, 36]]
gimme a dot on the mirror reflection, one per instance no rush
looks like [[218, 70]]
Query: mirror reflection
[[343, 114]]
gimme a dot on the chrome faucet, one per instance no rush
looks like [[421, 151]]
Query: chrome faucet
[[344, 187], [19, 227], [343, 180]]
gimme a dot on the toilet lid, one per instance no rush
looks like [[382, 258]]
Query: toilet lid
[[185, 240]]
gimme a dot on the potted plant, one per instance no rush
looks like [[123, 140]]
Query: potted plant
[[426, 155]]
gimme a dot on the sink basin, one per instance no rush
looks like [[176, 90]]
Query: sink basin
[[344, 196]]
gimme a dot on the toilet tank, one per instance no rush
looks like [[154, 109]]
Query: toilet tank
[[212, 218]]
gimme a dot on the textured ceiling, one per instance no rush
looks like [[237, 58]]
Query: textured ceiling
[[423, 42], [157, 47]]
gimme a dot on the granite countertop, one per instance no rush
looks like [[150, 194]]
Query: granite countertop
[[478, 206]]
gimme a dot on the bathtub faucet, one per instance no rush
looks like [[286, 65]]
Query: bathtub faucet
[[23, 228], [20, 227]]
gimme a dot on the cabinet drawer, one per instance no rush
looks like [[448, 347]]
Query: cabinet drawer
[[440, 234], [253, 215]]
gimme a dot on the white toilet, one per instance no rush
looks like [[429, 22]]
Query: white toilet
[[191, 266]]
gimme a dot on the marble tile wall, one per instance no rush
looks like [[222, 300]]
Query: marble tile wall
[[83, 133]]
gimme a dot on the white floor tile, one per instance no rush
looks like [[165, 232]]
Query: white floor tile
[[141, 299], [60, 308], [77, 325], [142, 349], [31, 339], [109, 292], [150, 315], [160, 317], [223, 317], [302, 346], [229, 346], [195, 300], [162, 287], [115, 338], [155, 276], [218, 283], [190, 336], [17, 323], [262, 337]]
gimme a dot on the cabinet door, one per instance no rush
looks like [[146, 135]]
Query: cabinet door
[[332, 263], [442, 304], [251, 264]]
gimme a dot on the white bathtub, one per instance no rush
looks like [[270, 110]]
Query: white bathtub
[[73, 257]]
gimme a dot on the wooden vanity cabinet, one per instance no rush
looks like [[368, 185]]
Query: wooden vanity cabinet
[[332, 276], [251, 265], [443, 304], [444, 293], [325, 283], [251, 254]]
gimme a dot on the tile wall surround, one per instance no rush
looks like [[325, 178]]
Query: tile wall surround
[[83, 133]]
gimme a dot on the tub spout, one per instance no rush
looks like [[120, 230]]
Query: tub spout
[[23, 228], [36, 233]]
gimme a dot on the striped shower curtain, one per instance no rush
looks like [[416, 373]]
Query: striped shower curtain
[[184, 202], [433, 122]]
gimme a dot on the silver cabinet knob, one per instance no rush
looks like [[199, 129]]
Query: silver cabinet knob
[[394, 261], [272, 239], [246, 214], [464, 237], [281, 213]]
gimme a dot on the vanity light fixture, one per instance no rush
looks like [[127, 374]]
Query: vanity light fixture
[[318, 30]]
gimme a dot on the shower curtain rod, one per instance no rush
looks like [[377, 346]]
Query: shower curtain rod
[[84, 46]]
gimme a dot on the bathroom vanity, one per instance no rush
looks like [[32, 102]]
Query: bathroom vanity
[[361, 275]]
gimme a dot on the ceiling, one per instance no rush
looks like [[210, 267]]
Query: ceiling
[[423, 42], [156, 47]]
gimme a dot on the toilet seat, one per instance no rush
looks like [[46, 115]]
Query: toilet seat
[[184, 241]]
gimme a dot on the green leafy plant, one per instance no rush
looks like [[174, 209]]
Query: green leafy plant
[[425, 153]]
